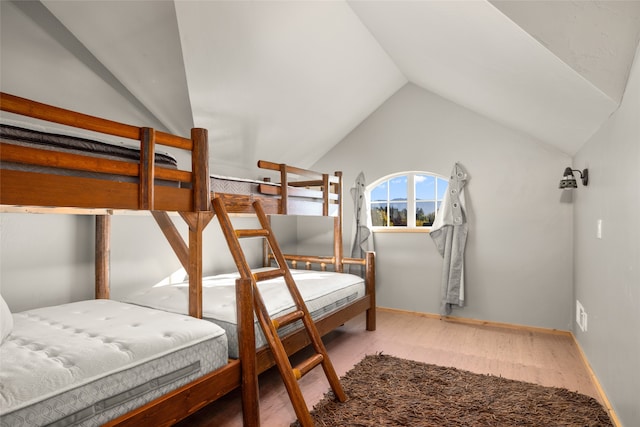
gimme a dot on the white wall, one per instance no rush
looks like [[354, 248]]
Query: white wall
[[45, 259], [42, 60], [519, 250], [607, 270]]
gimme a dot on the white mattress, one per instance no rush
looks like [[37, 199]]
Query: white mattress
[[322, 291], [235, 185], [87, 362]]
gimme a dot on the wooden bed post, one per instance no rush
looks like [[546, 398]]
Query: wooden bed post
[[338, 250], [284, 190], [199, 218], [197, 222], [370, 283], [102, 256], [190, 255], [146, 197], [247, 354], [200, 170]]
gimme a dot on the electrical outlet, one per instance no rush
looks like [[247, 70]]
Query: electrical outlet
[[584, 321], [599, 229], [581, 316]]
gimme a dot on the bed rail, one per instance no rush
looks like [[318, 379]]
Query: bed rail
[[25, 107], [189, 193], [302, 196], [368, 265], [307, 192]]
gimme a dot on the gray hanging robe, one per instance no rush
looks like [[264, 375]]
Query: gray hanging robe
[[449, 233], [362, 236]]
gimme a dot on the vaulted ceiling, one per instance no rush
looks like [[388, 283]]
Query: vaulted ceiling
[[288, 80]]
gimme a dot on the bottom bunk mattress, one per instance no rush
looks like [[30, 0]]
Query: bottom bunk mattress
[[323, 292], [88, 362]]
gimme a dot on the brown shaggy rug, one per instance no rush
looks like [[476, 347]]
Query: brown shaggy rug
[[386, 391]]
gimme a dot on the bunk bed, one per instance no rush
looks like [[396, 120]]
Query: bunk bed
[[36, 176], [298, 192], [146, 184]]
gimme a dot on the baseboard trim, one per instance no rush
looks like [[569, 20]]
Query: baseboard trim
[[605, 401], [469, 321], [463, 320]]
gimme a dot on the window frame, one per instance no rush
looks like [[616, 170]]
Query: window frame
[[411, 200]]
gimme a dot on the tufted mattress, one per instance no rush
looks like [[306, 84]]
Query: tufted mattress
[[87, 362], [323, 292], [234, 185], [76, 144], [73, 142]]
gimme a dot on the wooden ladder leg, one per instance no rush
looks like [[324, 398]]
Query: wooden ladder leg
[[282, 362]]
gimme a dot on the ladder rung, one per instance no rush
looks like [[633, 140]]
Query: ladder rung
[[307, 365], [252, 233], [268, 274], [281, 321]]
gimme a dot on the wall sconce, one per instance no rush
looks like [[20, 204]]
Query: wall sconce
[[568, 180]]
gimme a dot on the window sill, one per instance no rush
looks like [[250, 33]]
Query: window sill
[[401, 230]]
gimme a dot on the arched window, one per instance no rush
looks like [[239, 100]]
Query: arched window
[[406, 199]]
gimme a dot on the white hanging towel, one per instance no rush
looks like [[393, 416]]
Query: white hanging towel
[[362, 237], [449, 233]]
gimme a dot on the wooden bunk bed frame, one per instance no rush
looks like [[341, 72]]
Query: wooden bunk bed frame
[[301, 192], [314, 195]]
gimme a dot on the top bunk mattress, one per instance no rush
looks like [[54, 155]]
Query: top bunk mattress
[[76, 144], [12, 134], [87, 362], [323, 292]]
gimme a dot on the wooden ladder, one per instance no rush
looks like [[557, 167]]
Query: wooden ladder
[[290, 375]]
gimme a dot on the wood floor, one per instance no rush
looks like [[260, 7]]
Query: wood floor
[[544, 358]]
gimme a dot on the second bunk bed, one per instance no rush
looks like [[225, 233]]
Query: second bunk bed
[[330, 295], [31, 176]]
